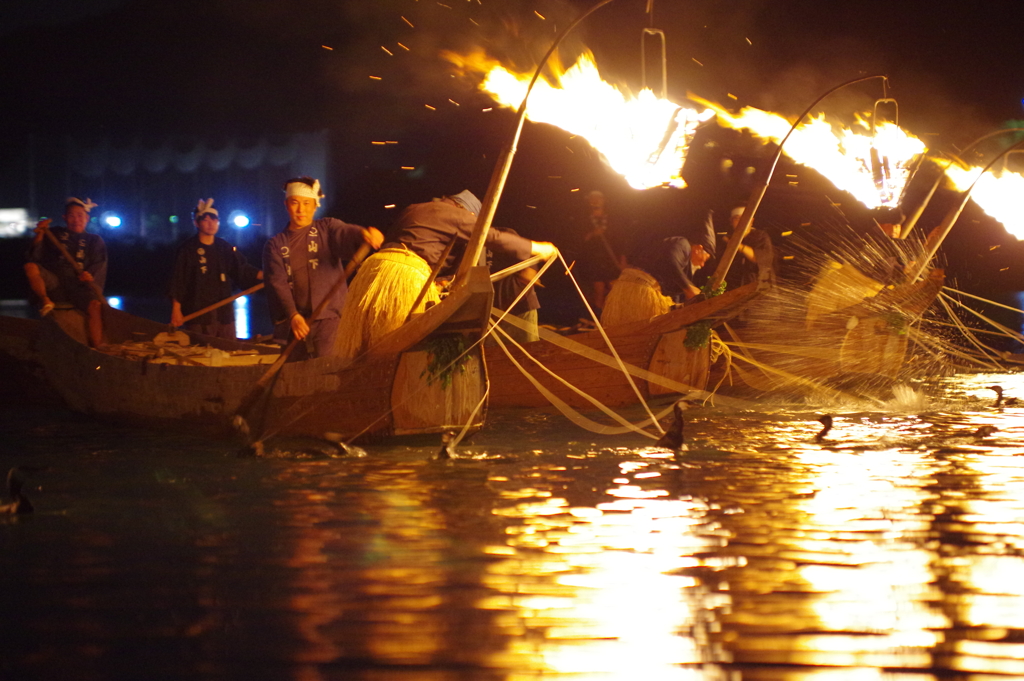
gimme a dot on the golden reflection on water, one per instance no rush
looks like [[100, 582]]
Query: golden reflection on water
[[604, 589]]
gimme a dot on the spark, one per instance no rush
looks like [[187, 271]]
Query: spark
[[453, 101], [490, 108], [731, 96], [327, 48], [444, 5], [554, 177], [786, 233], [408, 167], [748, 41], [390, 205], [379, 144], [473, 22], [540, 15], [408, 22], [390, 53], [994, 247], [533, 207], [403, 47], [576, 189], [375, 78], [696, 62], [430, 107], [390, 141]]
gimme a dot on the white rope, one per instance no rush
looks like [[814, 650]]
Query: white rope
[[984, 300], [567, 411], [1005, 329], [970, 336], [608, 342], [567, 343]]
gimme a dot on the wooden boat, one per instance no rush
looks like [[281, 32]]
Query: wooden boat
[[795, 347], [385, 392], [655, 350], [24, 380]]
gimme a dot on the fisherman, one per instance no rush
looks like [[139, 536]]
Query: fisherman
[[756, 251], [54, 280], [388, 285], [206, 270], [597, 262], [303, 263], [658, 274]]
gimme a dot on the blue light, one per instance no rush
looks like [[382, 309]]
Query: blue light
[[239, 219], [114, 302], [111, 219], [242, 317]]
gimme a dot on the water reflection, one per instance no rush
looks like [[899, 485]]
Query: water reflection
[[894, 547]]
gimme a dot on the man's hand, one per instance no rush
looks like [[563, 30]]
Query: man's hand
[[374, 237], [299, 326], [177, 319], [545, 249], [85, 276], [40, 229]]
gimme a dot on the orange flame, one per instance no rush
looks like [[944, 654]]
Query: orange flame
[[874, 168], [646, 138], [1000, 195], [643, 138]]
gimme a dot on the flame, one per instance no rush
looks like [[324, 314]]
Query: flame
[[643, 138], [999, 195], [874, 167]]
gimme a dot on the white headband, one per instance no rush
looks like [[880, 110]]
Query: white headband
[[303, 189], [88, 205], [204, 207]]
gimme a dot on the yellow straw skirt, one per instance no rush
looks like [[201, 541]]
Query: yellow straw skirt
[[635, 296], [380, 299]]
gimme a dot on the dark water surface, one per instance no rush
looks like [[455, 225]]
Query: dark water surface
[[893, 549]]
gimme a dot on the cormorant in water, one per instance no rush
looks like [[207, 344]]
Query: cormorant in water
[[826, 421], [673, 437]]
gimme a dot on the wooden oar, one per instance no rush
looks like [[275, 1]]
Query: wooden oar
[[260, 386], [74, 263], [210, 308], [433, 275]]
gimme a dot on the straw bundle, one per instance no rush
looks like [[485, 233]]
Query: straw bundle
[[380, 299], [635, 296]]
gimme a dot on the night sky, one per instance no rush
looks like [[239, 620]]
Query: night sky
[[138, 68]]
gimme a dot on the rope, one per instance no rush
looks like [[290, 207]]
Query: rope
[[1006, 331], [970, 336], [990, 302], [566, 343], [567, 411], [611, 347]]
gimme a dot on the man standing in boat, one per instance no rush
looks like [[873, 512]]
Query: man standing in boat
[[206, 269], [388, 285], [657, 274], [302, 265], [75, 276]]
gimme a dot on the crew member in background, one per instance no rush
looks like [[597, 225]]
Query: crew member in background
[[756, 253], [54, 280], [207, 269], [508, 289], [597, 262], [658, 274], [388, 284], [303, 263]]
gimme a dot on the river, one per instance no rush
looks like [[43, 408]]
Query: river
[[892, 548]]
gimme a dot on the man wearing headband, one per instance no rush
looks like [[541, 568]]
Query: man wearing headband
[[416, 243], [206, 271], [303, 263], [659, 273], [55, 281]]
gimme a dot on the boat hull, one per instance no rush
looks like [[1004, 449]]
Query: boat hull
[[367, 398]]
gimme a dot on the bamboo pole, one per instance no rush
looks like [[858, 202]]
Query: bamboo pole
[[947, 223], [211, 308], [758, 194], [501, 169], [74, 263]]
